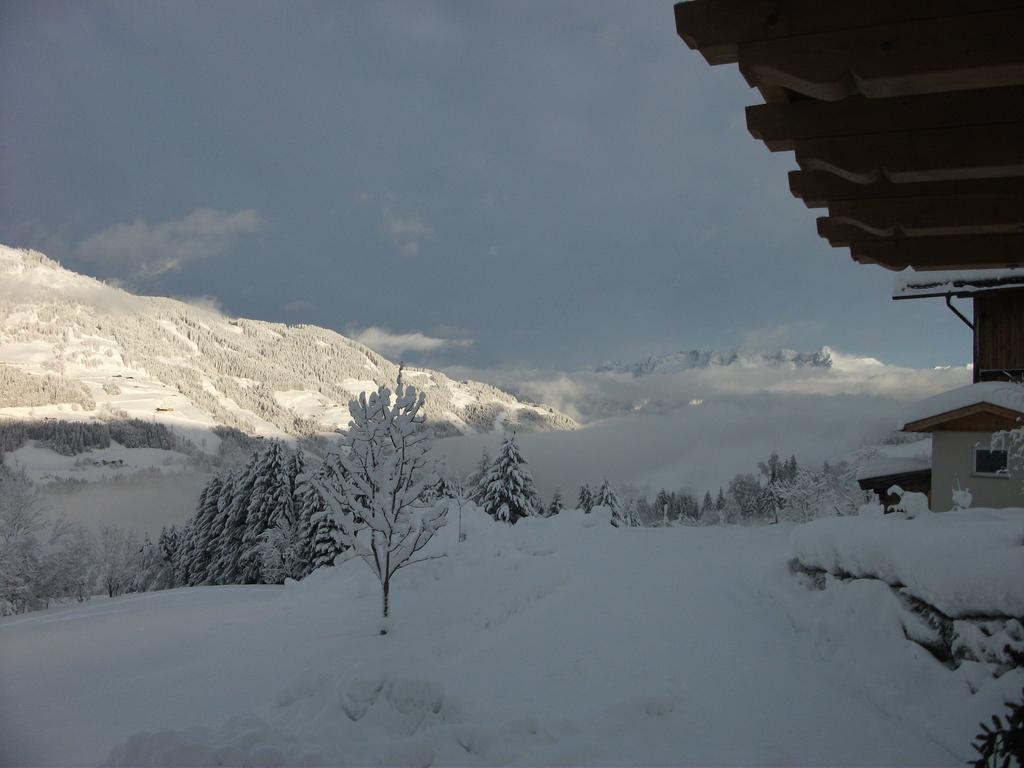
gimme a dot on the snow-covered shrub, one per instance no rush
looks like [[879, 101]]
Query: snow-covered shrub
[[377, 501], [962, 497], [911, 503]]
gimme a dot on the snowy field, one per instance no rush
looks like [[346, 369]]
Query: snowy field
[[553, 642]]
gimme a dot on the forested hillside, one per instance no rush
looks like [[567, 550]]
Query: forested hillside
[[73, 345]]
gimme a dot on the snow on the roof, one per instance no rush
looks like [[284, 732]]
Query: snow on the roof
[[897, 459], [1002, 393], [910, 284]]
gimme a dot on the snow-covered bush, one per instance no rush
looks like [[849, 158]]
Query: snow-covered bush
[[962, 498], [377, 501], [911, 503]]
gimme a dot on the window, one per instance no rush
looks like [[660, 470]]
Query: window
[[990, 462]]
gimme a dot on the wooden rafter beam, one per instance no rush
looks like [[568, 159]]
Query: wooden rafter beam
[[779, 125], [818, 188], [952, 53], [928, 253], [935, 216], [946, 154], [716, 27]]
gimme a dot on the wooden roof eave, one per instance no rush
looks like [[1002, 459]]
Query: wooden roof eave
[[929, 424], [906, 119]]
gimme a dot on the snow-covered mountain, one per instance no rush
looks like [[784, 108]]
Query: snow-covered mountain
[[72, 347], [674, 362]]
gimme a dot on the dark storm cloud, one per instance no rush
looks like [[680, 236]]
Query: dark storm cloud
[[566, 182]]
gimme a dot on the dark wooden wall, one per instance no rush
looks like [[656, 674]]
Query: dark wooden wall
[[999, 335]]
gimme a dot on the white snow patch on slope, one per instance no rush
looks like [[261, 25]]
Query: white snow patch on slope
[[522, 647]]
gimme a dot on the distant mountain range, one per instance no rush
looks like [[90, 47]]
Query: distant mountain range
[[674, 362], [72, 347]]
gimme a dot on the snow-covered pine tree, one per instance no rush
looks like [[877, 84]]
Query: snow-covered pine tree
[[224, 502], [296, 470], [632, 514], [606, 497], [709, 511], [199, 548], [475, 484], [270, 506], [509, 493], [377, 502], [586, 499], [323, 536], [229, 568], [556, 505]]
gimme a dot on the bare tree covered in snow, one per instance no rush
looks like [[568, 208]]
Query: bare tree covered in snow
[[378, 502]]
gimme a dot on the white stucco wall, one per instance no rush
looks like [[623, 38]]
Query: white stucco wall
[[953, 460]]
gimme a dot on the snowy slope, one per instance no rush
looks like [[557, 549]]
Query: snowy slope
[[73, 347], [554, 642]]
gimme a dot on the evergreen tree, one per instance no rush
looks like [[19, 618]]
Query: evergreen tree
[[270, 506], [708, 511], [218, 529], [296, 470], [323, 534], [199, 548], [663, 507], [509, 493], [476, 481], [632, 513], [606, 497], [556, 504], [586, 499], [229, 567]]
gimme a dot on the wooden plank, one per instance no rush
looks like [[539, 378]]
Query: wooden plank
[[922, 217], [929, 253], [715, 27], [778, 125], [971, 152], [817, 188], [979, 50], [999, 325]]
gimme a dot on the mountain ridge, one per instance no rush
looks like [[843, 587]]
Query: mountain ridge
[[72, 346], [685, 360]]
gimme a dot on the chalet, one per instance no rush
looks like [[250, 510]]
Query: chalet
[[962, 423], [906, 122]]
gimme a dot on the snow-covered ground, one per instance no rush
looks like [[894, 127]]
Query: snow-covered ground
[[554, 642], [965, 563]]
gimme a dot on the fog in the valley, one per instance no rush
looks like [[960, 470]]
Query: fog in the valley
[[700, 446], [144, 502]]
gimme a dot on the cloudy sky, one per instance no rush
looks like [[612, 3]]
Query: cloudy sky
[[545, 185]]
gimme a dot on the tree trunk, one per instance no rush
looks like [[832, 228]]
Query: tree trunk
[[385, 593]]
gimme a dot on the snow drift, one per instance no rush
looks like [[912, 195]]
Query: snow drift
[[557, 641]]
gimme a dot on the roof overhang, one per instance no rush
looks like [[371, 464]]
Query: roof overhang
[[978, 417], [906, 119], [959, 285]]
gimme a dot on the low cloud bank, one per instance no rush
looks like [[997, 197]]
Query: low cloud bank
[[387, 343], [700, 427]]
